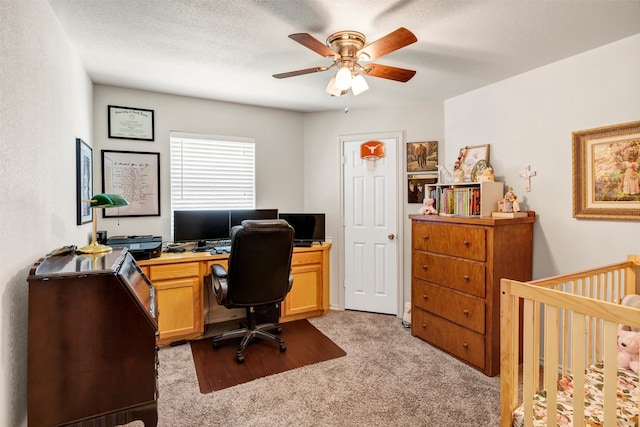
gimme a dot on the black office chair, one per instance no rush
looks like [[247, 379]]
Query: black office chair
[[259, 274]]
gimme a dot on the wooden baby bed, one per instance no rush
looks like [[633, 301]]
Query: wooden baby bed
[[558, 328]]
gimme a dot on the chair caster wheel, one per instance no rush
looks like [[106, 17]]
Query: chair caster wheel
[[239, 359], [216, 344], [283, 348], [278, 330]]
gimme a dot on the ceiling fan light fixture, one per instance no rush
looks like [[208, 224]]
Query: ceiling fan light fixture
[[332, 89], [343, 78], [359, 85]]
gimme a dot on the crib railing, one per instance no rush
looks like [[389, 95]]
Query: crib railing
[[563, 324]]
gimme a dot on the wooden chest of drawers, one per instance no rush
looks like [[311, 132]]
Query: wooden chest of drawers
[[457, 264]]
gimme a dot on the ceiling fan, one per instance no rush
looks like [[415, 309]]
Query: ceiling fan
[[348, 51]]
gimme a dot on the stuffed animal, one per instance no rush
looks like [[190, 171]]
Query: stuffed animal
[[628, 348], [630, 300], [427, 208]]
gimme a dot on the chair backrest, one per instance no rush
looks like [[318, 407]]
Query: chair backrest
[[259, 262]]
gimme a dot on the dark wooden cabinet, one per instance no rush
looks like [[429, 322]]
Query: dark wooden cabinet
[[92, 355], [457, 264]]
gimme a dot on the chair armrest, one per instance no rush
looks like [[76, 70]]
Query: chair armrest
[[290, 282], [219, 282], [218, 270]]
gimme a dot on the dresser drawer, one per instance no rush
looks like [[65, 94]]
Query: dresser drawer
[[462, 275], [455, 240], [459, 341], [461, 309]]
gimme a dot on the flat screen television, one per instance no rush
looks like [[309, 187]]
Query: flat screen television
[[200, 226], [308, 227], [239, 215]]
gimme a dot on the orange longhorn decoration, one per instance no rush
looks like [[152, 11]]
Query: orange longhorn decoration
[[372, 150]]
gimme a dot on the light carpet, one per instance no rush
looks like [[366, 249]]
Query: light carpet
[[388, 377]]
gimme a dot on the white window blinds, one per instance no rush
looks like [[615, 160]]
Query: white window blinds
[[212, 172]]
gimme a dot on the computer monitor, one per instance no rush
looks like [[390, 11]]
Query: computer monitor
[[200, 226], [239, 215], [308, 227]]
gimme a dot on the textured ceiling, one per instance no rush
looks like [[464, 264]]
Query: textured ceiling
[[228, 49]]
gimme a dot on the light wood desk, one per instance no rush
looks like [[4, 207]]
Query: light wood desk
[[182, 281]]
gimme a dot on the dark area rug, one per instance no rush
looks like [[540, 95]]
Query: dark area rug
[[217, 369]]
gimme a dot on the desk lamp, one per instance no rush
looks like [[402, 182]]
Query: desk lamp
[[99, 201]]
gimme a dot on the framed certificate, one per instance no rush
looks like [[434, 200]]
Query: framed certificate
[[130, 123], [136, 177]]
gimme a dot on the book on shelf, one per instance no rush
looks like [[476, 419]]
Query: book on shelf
[[463, 201]]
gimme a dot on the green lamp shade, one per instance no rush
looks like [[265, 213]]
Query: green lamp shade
[[99, 201], [108, 201]]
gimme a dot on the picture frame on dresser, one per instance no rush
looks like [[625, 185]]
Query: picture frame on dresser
[[469, 156], [606, 163], [84, 182]]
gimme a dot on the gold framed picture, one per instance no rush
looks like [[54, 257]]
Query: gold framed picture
[[606, 162]]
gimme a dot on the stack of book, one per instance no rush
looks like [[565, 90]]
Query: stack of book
[[463, 201]]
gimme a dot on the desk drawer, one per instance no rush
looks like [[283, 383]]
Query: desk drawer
[[174, 271], [459, 308], [459, 341], [300, 258], [462, 275], [454, 240]]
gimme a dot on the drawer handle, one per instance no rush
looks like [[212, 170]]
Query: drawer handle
[[425, 237], [425, 267], [424, 326], [465, 312], [425, 297], [466, 243], [465, 277], [465, 345]]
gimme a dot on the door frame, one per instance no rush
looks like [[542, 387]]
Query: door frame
[[342, 139]]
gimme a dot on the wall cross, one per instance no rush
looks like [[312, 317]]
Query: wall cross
[[527, 173]]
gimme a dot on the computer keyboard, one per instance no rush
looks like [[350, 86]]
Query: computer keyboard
[[221, 250]]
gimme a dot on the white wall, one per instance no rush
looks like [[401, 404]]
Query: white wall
[[45, 104], [422, 122], [529, 120], [279, 148]]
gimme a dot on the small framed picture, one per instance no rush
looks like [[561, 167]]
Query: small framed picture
[[130, 123], [469, 156], [422, 156], [417, 186], [84, 182]]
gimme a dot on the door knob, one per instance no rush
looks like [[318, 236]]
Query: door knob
[[391, 236]]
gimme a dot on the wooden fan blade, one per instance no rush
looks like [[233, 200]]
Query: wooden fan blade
[[300, 72], [387, 72], [387, 44], [313, 43]]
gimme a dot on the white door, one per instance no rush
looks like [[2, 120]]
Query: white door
[[370, 229]]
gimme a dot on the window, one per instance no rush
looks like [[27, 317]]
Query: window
[[211, 172]]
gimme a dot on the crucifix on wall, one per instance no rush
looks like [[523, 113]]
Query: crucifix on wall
[[527, 173]]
